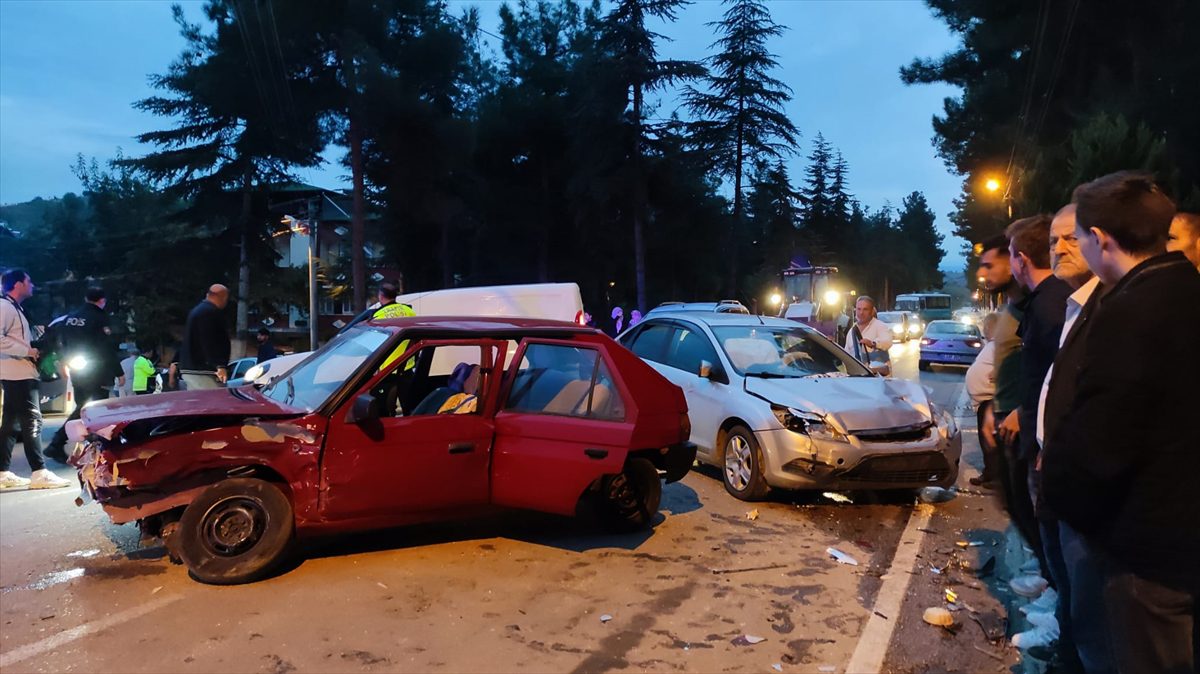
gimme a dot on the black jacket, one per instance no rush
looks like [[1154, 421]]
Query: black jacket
[[1042, 314], [266, 351], [205, 339], [1126, 458], [85, 332]]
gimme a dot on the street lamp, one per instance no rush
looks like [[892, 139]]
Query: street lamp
[[776, 298], [298, 227], [992, 184]]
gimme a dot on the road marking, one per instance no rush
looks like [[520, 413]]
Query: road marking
[[872, 645], [59, 640]]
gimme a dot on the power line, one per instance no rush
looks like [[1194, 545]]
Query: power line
[[1027, 98], [1058, 62]]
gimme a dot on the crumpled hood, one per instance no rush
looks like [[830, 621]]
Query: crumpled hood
[[854, 403], [120, 412]]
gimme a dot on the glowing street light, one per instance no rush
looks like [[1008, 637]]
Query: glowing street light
[[992, 184], [776, 298]]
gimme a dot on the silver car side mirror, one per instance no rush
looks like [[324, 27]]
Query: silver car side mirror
[[705, 369]]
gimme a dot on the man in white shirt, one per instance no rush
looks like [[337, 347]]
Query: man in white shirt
[[868, 332]]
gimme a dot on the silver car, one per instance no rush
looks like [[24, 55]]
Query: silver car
[[774, 403]]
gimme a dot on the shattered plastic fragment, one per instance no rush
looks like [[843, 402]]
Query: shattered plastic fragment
[[951, 596], [935, 495], [752, 515], [938, 616], [605, 618], [836, 497], [841, 557], [748, 640], [777, 667]]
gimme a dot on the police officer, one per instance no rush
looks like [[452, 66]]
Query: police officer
[[91, 359], [388, 306]]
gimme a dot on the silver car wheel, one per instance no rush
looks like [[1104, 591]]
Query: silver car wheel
[[739, 462]]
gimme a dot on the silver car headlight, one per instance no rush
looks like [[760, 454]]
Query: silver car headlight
[[944, 421], [806, 424]]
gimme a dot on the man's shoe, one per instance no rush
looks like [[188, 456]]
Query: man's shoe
[[1041, 635], [983, 480], [56, 453], [10, 480], [44, 479], [1047, 603], [1028, 586]]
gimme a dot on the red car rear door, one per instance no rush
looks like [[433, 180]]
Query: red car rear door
[[414, 458], [565, 420]]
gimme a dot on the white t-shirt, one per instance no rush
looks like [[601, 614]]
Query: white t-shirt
[[876, 331], [1074, 306], [981, 380]]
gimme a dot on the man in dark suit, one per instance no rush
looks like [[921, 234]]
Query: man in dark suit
[[1124, 458]]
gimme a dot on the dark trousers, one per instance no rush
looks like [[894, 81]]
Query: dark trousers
[[1152, 626], [1084, 597], [1060, 575], [22, 404], [1018, 502], [991, 464], [85, 392]]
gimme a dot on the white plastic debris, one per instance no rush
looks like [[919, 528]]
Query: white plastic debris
[[751, 639], [841, 557], [935, 495], [836, 497], [605, 618], [827, 668], [752, 515], [777, 667]]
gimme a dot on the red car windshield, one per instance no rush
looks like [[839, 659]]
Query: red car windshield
[[311, 383]]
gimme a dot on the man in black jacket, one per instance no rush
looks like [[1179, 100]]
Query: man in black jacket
[[205, 351], [1127, 451], [91, 358]]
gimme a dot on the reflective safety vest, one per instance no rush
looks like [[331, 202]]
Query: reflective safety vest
[[396, 310]]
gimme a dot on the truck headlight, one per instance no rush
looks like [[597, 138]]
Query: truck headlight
[[77, 363], [807, 424]]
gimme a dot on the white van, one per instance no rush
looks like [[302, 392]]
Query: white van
[[552, 301]]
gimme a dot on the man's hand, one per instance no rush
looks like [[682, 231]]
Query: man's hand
[[34, 353], [987, 434], [1010, 427], [222, 375]]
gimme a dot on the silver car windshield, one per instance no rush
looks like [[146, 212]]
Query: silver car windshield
[[311, 383], [774, 351]]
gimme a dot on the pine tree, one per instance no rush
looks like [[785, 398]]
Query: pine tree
[[629, 48], [740, 115], [916, 224], [818, 197]]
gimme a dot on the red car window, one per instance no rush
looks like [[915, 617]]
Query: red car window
[[565, 380]]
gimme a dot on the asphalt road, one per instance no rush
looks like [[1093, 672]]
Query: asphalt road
[[521, 591]]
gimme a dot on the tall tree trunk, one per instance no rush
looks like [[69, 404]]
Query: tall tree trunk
[[358, 264], [242, 328], [639, 202], [735, 226]]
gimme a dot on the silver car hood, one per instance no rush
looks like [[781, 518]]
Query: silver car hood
[[853, 403]]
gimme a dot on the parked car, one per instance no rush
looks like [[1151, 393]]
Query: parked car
[[904, 327], [949, 343], [776, 404], [356, 439], [722, 307]]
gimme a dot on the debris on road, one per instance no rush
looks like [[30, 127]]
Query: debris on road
[[841, 557], [988, 567], [752, 515], [777, 667], [605, 618], [938, 616], [951, 596], [718, 572], [748, 640], [935, 495], [836, 497], [988, 652]]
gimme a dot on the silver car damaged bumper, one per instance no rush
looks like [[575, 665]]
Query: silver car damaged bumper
[[900, 461]]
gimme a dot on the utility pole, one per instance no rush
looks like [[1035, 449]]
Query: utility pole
[[313, 251]]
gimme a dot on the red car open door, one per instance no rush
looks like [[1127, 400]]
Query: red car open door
[[429, 447], [566, 420]]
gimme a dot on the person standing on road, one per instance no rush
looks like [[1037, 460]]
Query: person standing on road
[[868, 332], [996, 270], [131, 356], [205, 351], [266, 348], [91, 358], [1185, 236], [1128, 447], [981, 386], [144, 372], [1080, 581], [19, 399]]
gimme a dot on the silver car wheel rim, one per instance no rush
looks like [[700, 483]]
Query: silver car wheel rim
[[738, 462]]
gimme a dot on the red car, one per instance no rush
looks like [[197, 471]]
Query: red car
[[393, 422]]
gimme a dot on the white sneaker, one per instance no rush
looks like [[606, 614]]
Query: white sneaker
[[1028, 586], [1047, 603], [44, 479], [1041, 635], [10, 480], [1046, 620]]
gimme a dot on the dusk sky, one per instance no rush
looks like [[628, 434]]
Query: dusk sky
[[69, 71]]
